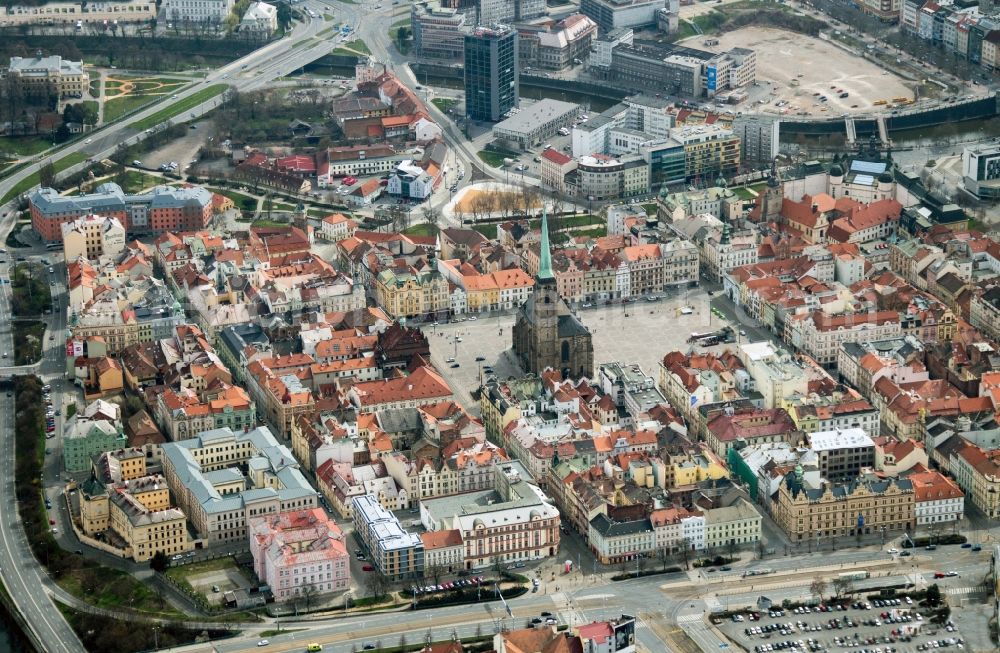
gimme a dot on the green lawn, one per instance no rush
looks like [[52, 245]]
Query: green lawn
[[570, 221], [650, 209], [444, 103], [24, 145], [394, 30], [31, 180], [488, 230], [358, 46], [745, 193], [120, 106], [180, 106], [263, 222], [596, 232], [105, 587], [95, 83], [422, 229], [494, 159], [136, 181], [243, 202]]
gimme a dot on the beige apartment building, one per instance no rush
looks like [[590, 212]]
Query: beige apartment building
[[139, 515], [865, 506], [42, 76], [92, 236], [412, 293]]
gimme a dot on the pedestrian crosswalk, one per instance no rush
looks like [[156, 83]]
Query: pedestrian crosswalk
[[959, 591], [688, 618]]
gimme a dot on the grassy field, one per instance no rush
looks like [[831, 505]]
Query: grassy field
[[120, 106], [110, 588], [494, 159], [136, 181], [264, 222], [488, 230], [570, 221], [24, 145], [744, 193], [650, 208], [596, 232], [422, 229], [180, 106], [358, 46], [242, 201], [31, 180], [95, 83], [444, 103], [393, 35]]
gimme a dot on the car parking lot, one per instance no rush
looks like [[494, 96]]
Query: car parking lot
[[897, 625], [457, 584]]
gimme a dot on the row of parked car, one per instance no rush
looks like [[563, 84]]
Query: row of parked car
[[50, 414], [448, 585]]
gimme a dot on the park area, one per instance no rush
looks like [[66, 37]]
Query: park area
[[123, 94], [801, 68]]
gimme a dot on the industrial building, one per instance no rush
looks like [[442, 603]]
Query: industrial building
[[533, 125]]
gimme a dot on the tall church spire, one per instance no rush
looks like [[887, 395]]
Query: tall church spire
[[545, 267]]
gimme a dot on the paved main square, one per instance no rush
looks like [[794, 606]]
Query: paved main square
[[640, 332]]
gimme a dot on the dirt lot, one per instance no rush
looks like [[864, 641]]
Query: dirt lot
[[182, 150], [785, 59], [466, 197], [226, 579]]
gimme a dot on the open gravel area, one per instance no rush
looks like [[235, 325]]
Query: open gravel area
[[796, 66]]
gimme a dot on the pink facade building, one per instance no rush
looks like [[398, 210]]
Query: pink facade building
[[299, 549]]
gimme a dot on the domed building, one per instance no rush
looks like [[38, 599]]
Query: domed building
[[864, 178]]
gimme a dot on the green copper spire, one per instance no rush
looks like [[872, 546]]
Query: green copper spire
[[545, 268]]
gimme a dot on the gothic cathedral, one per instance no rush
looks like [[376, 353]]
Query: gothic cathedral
[[547, 334]]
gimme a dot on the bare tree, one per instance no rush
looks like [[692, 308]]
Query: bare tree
[[376, 583], [432, 214], [434, 572], [663, 555], [47, 174], [685, 552], [818, 588], [498, 566], [842, 586], [309, 593]]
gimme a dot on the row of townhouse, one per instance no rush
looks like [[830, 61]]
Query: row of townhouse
[[968, 33]]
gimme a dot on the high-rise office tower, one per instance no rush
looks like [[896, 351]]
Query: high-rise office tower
[[491, 73]]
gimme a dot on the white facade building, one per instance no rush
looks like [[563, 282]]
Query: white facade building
[[211, 12]]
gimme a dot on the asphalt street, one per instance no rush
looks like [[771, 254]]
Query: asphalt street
[[25, 579]]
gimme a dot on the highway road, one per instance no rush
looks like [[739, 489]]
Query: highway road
[[26, 581]]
